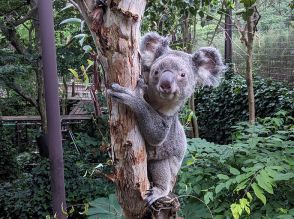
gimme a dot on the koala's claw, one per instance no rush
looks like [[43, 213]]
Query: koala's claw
[[118, 88], [149, 192], [153, 195], [113, 94], [150, 200]]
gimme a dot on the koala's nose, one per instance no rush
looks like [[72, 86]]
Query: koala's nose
[[165, 86], [166, 81]]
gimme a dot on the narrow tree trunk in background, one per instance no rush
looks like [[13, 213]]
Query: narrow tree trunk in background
[[116, 32], [249, 77], [41, 97], [39, 73], [188, 46], [228, 37], [65, 96]]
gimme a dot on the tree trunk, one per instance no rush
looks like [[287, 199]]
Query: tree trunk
[[41, 104], [116, 31], [249, 77], [228, 37], [188, 46]]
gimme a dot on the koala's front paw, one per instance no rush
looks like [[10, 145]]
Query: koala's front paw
[[119, 93], [154, 194], [122, 95], [116, 87]]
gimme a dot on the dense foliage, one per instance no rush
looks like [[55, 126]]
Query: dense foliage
[[251, 178], [218, 109], [9, 167], [33, 184]]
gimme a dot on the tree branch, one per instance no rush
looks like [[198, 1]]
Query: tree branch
[[28, 16], [218, 23], [20, 92], [11, 36]]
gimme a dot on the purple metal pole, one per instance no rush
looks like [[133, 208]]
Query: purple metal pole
[[45, 13]]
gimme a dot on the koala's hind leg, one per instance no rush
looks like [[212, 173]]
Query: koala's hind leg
[[161, 178]]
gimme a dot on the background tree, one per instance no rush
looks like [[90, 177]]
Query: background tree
[[251, 17], [19, 20]]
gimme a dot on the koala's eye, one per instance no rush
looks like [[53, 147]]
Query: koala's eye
[[183, 75], [156, 73]]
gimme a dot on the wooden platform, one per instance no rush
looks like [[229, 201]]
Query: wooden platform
[[38, 119]]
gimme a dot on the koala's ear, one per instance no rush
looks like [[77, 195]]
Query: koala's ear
[[208, 66], [152, 46]]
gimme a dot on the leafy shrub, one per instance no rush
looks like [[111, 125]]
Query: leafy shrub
[[30, 196], [251, 178], [8, 164], [220, 108]]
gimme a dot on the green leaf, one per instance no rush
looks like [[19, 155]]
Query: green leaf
[[264, 181], [72, 209], [236, 210], [86, 79], [68, 5], [190, 116], [90, 62], [283, 176], [249, 196], [71, 20], [234, 171], [208, 197], [74, 72], [87, 48], [219, 187], [105, 208], [222, 176], [259, 193]]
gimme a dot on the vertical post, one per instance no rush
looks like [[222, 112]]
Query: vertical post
[[228, 37], [45, 12]]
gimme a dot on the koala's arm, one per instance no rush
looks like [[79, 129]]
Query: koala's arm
[[153, 126]]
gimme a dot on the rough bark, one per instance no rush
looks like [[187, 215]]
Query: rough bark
[[116, 32]]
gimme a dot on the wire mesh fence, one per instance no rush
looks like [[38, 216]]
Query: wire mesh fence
[[273, 55]]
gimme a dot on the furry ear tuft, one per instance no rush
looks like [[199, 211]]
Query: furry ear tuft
[[152, 46], [208, 66]]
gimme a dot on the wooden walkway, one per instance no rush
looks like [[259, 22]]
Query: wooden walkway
[[36, 119]]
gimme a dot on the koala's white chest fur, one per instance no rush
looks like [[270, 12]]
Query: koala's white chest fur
[[173, 146]]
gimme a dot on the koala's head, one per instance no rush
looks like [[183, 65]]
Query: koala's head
[[172, 74]]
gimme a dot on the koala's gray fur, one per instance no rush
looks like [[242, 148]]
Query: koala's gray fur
[[169, 79]]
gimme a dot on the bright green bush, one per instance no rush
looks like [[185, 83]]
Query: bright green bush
[[218, 109], [251, 178]]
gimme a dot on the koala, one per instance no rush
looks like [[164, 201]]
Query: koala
[[170, 77]]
